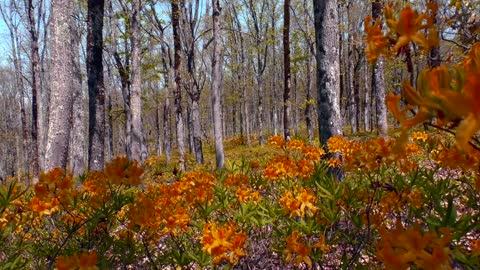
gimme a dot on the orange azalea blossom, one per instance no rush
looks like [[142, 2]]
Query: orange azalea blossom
[[420, 136], [246, 194], [334, 163], [377, 43], [197, 187], [299, 203], [301, 250], [279, 168], [44, 206], [122, 171], [236, 179], [84, 261], [312, 153], [276, 141], [305, 168], [409, 27], [400, 248], [224, 243], [475, 244], [295, 145], [415, 198]]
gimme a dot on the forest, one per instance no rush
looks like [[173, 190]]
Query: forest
[[239, 134]]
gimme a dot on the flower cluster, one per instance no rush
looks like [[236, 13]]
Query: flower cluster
[[301, 250], [299, 203], [123, 171], [399, 248], [409, 27], [224, 242], [84, 261]]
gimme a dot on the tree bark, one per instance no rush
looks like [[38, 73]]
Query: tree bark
[[77, 136], [60, 120], [434, 59], [286, 71], [177, 90], [36, 105], [328, 68], [216, 85], [378, 81], [96, 88], [137, 148]]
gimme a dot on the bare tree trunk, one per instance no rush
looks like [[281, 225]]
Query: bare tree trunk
[[197, 130], [243, 78], [96, 88], [434, 59], [36, 106], [286, 71], [138, 149], [328, 69], [60, 118], [77, 136], [378, 81], [167, 138], [177, 92], [217, 85], [367, 107], [309, 105]]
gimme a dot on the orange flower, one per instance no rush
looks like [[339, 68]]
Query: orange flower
[[236, 179], [301, 250], [86, 261], [245, 194], [408, 27], [123, 171], [279, 168], [276, 140], [223, 242], [377, 43], [400, 248], [299, 203]]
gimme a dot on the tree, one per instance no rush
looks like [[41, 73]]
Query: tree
[[77, 136], [286, 70], [259, 30], [60, 122], [328, 68], [38, 131], [96, 89], [177, 90], [216, 86], [378, 81], [138, 150]]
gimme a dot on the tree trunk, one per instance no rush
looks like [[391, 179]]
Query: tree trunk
[[36, 105], [167, 138], [177, 90], [111, 151], [286, 71], [137, 147], [328, 69], [60, 120], [378, 81], [434, 59], [367, 107], [217, 85], [96, 88], [309, 99], [77, 136], [197, 131]]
